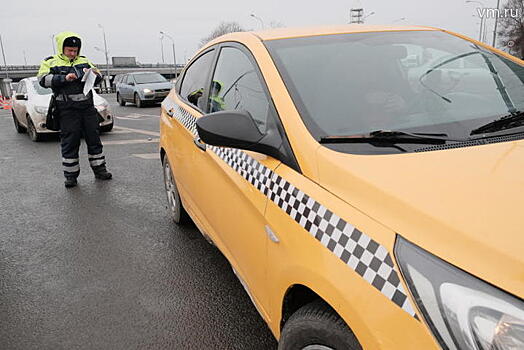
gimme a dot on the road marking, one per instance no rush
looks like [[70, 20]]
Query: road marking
[[136, 116], [139, 131], [115, 131], [130, 142], [147, 155]]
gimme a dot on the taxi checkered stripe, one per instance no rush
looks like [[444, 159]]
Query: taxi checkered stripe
[[357, 250]]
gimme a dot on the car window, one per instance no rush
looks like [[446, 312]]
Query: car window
[[195, 79], [130, 79], [147, 78], [23, 88], [40, 90], [236, 86], [422, 81]]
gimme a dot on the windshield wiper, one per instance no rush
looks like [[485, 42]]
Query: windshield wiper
[[389, 137], [509, 121]]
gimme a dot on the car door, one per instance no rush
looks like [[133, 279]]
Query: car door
[[234, 195], [126, 88]]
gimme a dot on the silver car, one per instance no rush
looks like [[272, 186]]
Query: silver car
[[141, 88], [30, 104]]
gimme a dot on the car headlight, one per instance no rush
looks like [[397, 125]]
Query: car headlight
[[462, 311], [148, 91], [41, 110]]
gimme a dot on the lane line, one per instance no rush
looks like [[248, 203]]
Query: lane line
[[139, 131], [129, 142], [147, 155]]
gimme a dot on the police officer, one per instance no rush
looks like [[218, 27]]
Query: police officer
[[63, 73]]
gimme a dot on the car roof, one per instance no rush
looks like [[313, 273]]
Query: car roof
[[287, 33], [283, 33]]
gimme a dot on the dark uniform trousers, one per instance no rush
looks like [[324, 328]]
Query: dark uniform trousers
[[77, 120]]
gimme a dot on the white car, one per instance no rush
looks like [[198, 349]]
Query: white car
[[30, 104]]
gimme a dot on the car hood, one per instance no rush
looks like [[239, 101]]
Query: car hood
[[43, 100], [155, 86], [39, 100], [463, 205]]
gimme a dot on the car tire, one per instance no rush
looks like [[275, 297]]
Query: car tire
[[19, 128], [316, 326], [138, 101], [34, 135], [120, 100], [176, 209], [107, 128]]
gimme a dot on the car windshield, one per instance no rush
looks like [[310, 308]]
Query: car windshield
[[149, 78], [40, 90], [427, 81]]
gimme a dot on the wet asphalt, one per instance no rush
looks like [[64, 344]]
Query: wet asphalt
[[102, 266]]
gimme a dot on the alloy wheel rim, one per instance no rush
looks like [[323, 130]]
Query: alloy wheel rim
[[170, 188]]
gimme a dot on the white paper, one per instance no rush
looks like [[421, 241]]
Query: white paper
[[89, 79]]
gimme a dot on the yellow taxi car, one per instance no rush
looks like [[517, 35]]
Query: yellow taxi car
[[365, 182]]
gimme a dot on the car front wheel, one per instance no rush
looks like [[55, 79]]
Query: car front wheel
[[120, 100], [316, 326], [176, 209], [19, 128], [31, 130], [138, 101]]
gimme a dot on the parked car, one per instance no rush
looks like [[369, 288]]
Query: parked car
[[357, 211], [30, 105], [141, 88]]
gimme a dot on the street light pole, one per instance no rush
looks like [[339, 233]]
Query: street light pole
[[259, 19], [107, 58], [173, 47], [3, 55], [162, 47], [496, 23]]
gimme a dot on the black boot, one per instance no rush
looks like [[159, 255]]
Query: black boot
[[101, 173], [70, 182]]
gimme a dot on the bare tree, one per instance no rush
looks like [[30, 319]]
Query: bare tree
[[511, 33], [221, 29]]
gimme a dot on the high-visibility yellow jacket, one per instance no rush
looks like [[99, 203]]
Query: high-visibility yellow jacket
[[54, 69]]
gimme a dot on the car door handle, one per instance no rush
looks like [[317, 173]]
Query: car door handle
[[199, 143]]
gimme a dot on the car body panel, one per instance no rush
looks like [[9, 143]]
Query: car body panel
[[223, 185], [432, 205], [298, 259]]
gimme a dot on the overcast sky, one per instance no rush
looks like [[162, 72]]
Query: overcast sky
[[132, 28]]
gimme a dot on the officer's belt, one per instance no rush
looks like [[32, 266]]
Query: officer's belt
[[75, 98]]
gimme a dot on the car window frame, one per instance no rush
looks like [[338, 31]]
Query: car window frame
[[292, 161], [207, 80]]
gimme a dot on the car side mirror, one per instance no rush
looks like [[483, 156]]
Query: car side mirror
[[21, 97], [235, 129], [131, 83]]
